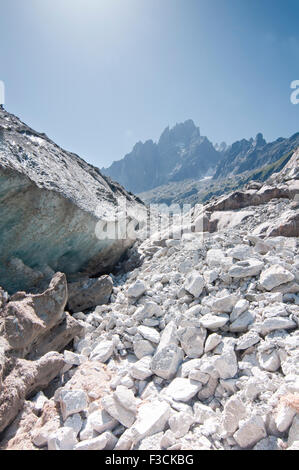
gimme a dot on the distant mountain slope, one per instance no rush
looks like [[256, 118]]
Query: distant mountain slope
[[193, 191], [181, 153], [246, 155], [175, 168]]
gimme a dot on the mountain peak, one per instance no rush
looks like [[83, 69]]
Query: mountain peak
[[180, 133], [180, 153], [259, 140]]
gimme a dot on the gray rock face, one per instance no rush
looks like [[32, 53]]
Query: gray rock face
[[254, 153], [89, 293], [244, 162], [54, 207], [181, 153]]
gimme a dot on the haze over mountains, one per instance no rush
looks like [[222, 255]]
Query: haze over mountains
[[182, 154]]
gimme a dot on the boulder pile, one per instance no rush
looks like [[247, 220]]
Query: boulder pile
[[195, 348]]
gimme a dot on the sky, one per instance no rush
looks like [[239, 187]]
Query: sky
[[97, 76]]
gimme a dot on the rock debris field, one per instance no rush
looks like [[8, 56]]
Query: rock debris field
[[197, 347]]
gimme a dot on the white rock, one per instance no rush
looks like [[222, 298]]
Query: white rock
[[151, 390], [277, 323], [239, 252], [275, 276], [166, 361], [168, 439], [188, 366], [284, 418], [180, 423], [215, 257], [242, 322], [100, 421], [87, 432], [249, 267], [211, 275], [210, 427], [226, 364], [268, 443], [224, 304], [97, 443], [71, 358], [141, 370], [149, 333], [41, 435], [103, 351], [194, 283], [151, 419], [194, 311], [62, 439], [294, 446], [234, 411], [143, 347], [240, 307], [247, 340], [152, 309], [72, 401], [250, 431], [169, 336], [269, 360], [212, 341], [185, 267], [126, 398], [198, 376], [127, 382], [202, 412], [192, 340], [213, 322], [137, 289], [181, 389], [115, 409], [151, 442], [126, 440]]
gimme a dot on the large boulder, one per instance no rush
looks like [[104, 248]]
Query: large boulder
[[249, 197], [56, 211], [287, 225], [224, 220], [89, 293], [25, 378], [35, 324]]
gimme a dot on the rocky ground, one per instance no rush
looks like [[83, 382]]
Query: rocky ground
[[197, 347]]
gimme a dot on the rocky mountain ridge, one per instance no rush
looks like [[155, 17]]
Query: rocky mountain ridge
[[180, 153], [182, 158], [250, 154]]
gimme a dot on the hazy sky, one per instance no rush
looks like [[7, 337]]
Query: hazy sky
[[99, 75]]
